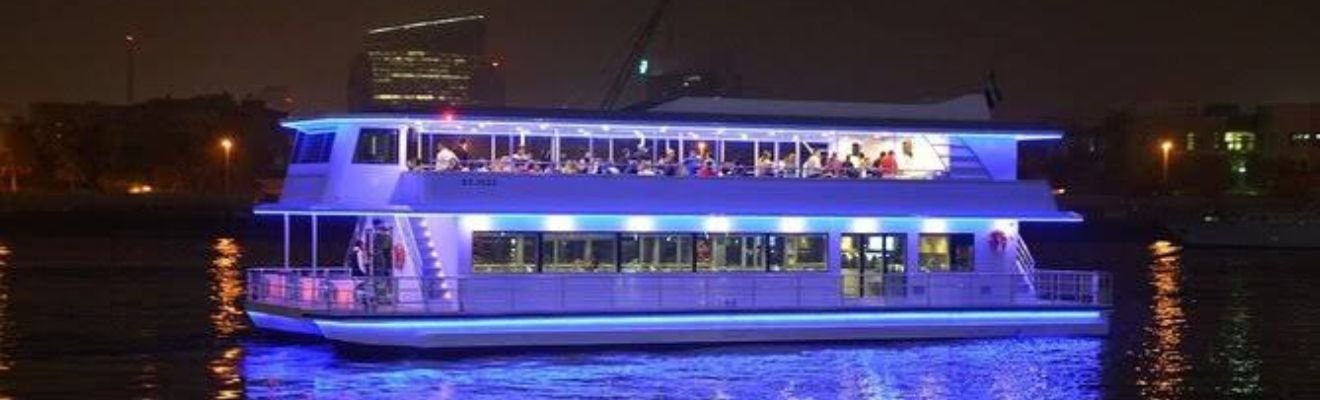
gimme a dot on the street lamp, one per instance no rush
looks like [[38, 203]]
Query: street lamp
[[228, 146], [1165, 147]]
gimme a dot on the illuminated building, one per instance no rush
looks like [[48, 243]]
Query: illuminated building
[[424, 65]]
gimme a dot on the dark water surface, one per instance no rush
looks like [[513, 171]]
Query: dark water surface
[[159, 315]]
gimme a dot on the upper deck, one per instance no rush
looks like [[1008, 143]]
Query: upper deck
[[512, 161]]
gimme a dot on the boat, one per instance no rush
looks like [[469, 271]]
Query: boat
[[493, 228], [1248, 230]]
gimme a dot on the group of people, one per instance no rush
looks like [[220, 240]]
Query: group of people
[[697, 163], [373, 255]]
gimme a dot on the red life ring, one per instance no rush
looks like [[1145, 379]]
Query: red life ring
[[399, 256]]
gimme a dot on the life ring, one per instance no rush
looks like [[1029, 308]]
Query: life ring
[[998, 241], [399, 256]]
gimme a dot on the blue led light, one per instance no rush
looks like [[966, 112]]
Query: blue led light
[[760, 130], [697, 320], [283, 323], [274, 210]]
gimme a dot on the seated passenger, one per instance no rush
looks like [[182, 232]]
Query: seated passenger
[[787, 166], [707, 169], [645, 169], [445, 159], [812, 168], [889, 164], [692, 163]]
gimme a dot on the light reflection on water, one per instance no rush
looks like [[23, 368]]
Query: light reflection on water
[[1238, 350], [1163, 367], [6, 364], [1036, 368], [227, 318]]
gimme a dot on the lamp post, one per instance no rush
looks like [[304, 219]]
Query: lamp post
[[1165, 147], [228, 146]]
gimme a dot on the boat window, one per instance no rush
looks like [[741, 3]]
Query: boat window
[[377, 146], [656, 252], [313, 148], [731, 252], [504, 252], [805, 252], [572, 252], [945, 252]]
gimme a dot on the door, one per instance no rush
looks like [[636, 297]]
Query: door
[[873, 264]]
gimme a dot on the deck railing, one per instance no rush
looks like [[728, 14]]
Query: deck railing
[[678, 169], [335, 291]]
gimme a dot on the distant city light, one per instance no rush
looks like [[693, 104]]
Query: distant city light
[[643, 66]]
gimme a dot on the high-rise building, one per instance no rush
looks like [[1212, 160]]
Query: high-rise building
[[424, 65]]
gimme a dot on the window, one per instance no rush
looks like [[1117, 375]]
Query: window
[[945, 252], [661, 252], [504, 252], [731, 252], [572, 252], [1191, 141], [1240, 141], [313, 148], [797, 252], [377, 146]]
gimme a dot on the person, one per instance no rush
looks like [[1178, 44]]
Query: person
[[356, 260], [834, 167], [765, 164], [788, 165], [382, 260], [692, 163], [812, 168], [669, 163], [445, 159], [522, 159], [645, 169], [858, 162], [464, 150], [889, 164], [707, 170]]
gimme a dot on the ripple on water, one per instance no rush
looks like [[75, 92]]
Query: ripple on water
[[1067, 368]]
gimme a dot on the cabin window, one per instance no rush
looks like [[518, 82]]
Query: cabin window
[[504, 252], [574, 252], [377, 146], [313, 148], [945, 252], [731, 252], [798, 252], [658, 252]]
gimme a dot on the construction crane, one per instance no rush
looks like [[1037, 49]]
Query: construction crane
[[640, 41]]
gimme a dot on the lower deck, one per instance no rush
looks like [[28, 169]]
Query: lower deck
[[568, 310]]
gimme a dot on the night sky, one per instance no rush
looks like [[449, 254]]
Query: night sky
[[1054, 58]]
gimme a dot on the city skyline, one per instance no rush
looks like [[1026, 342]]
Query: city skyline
[[1053, 60]]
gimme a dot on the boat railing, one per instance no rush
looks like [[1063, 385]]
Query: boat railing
[[336, 291], [679, 169]]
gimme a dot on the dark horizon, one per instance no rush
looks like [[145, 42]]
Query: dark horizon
[[1053, 61]]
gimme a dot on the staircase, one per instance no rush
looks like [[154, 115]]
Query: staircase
[[962, 161], [1026, 264], [426, 256], [432, 283]]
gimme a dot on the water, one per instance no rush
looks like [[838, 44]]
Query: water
[[158, 315]]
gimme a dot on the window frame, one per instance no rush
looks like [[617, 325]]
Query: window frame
[[322, 154], [392, 155]]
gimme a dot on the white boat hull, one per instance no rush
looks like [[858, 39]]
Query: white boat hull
[[450, 332]]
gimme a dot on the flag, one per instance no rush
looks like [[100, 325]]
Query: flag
[[992, 94]]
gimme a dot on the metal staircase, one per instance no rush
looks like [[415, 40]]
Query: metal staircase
[[1026, 263], [962, 161], [433, 285]]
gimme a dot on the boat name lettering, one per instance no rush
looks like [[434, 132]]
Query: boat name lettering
[[478, 182]]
